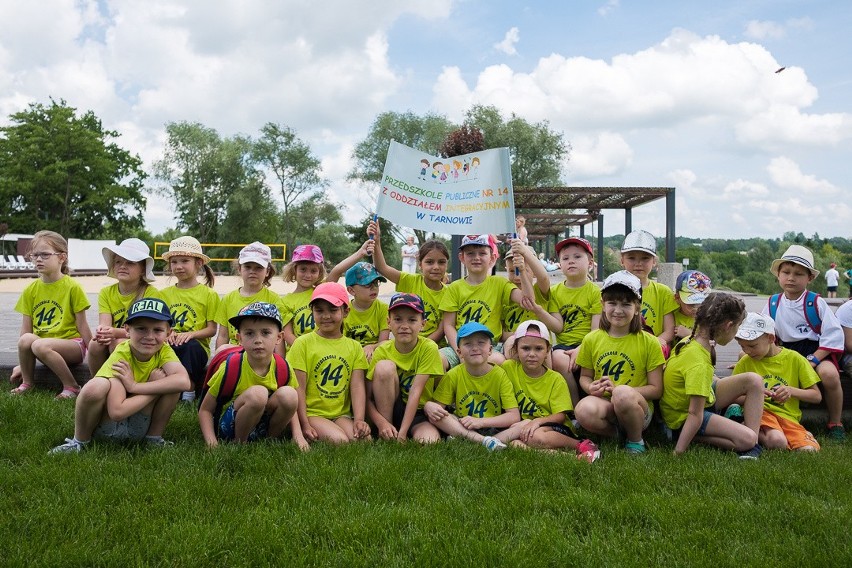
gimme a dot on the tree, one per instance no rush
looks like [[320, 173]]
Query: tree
[[318, 221], [465, 140], [293, 165], [63, 172]]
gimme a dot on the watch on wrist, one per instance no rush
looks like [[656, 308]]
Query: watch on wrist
[[813, 359]]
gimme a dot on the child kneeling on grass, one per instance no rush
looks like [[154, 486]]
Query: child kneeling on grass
[[474, 400], [787, 378], [260, 407], [134, 393]]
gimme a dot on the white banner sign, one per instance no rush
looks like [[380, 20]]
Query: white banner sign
[[463, 195]]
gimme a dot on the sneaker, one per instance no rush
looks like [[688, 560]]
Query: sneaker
[[493, 444], [635, 448], [187, 396], [837, 433], [735, 413], [158, 441], [71, 446], [751, 454], [588, 451]]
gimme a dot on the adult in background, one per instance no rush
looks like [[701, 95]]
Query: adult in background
[[831, 279], [409, 256], [848, 275]]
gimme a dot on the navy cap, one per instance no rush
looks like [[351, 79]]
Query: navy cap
[[257, 310], [152, 308], [412, 301]]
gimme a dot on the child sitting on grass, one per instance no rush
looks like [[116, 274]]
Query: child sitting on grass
[[134, 393], [787, 378], [259, 407], [474, 400]]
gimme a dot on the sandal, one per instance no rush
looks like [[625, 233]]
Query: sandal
[[22, 388], [68, 393]]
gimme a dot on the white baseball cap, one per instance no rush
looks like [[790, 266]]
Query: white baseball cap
[[754, 326], [624, 278], [532, 328], [640, 240], [256, 252]]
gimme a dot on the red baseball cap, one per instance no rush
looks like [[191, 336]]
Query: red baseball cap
[[579, 241]]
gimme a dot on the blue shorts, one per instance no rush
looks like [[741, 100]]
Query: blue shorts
[[673, 435], [227, 428]]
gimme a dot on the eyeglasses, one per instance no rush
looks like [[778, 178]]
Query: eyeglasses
[[42, 255]]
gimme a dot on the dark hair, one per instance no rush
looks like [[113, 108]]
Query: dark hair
[[429, 246], [714, 312], [619, 293]]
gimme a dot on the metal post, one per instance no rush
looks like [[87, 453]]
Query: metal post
[[670, 225], [455, 263], [628, 220], [582, 231], [600, 253]]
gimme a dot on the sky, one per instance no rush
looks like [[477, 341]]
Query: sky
[[681, 94]]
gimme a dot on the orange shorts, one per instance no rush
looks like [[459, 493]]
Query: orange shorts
[[797, 436]]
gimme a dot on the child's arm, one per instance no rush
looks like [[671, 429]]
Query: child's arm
[[205, 421], [529, 428], [654, 389], [358, 393], [308, 430], [385, 429], [169, 379], [668, 329], [298, 436], [27, 325], [509, 417], [289, 334], [525, 296], [221, 337], [692, 425], [450, 332], [414, 393], [783, 393], [105, 333], [82, 326], [542, 280], [385, 269], [594, 387], [438, 333], [186, 336], [348, 262]]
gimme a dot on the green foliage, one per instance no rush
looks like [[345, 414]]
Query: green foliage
[[385, 504], [317, 221], [62, 171]]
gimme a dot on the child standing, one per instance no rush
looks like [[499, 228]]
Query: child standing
[[432, 258], [131, 264], [639, 257], [479, 297], [330, 371], [805, 323], [693, 396], [256, 272], [134, 394], [542, 395], [193, 307], [474, 400], [259, 408], [54, 329], [621, 367], [402, 374], [787, 378], [367, 321], [691, 289]]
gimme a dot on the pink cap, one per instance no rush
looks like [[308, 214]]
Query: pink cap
[[331, 292], [308, 253]]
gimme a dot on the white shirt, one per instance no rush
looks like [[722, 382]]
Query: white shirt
[[831, 277], [791, 324]]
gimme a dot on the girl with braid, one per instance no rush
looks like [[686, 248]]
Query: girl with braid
[[693, 396]]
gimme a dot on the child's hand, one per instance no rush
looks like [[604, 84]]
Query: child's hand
[[682, 331], [470, 422], [180, 338], [368, 351], [302, 444], [528, 430], [121, 370], [387, 431], [362, 430], [600, 387], [310, 432], [780, 394], [156, 375], [402, 436], [572, 358], [434, 412], [367, 248], [373, 230], [103, 334]]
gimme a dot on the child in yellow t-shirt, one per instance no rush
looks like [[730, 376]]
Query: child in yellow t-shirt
[[259, 407], [367, 322], [402, 374], [54, 329], [691, 289], [787, 378], [133, 395]]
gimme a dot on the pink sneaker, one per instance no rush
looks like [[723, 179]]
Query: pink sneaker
[[588, 451]]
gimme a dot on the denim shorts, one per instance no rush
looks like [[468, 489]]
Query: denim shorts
[[673, 435], [227, 429]]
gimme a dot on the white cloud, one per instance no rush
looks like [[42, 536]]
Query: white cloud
[[740, 189], [507, 46], [608, 7], [604, 154], [783, 124], [769, 29], [787, 174]]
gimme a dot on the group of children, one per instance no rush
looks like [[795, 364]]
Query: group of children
[[493, 360]]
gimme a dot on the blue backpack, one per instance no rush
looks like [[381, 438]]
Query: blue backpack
[[810, 307]]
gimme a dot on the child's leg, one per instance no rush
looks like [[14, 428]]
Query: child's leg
[[248, 410], [121, 406], [729, 389], [194, 359], [26, 358], [329, 431], [630, 409], [57, 355], [281, 407], [596, 415], [425, 433], [830, 378], [451, 426], [728, 435], [98, 354], [346, 424], [385, 388], [90, 408], [562, 364], [161, 413], [772, 439]]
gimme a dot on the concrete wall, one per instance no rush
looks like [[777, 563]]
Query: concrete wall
[[86, 254]]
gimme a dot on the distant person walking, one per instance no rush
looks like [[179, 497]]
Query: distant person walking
[[848, 275], [409, 256], [831, 279]]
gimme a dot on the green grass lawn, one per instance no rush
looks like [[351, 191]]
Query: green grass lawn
[[384, 504]]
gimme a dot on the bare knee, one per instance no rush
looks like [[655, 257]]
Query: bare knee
[[829, 375], [254, 397], [385, 372], [26, 340], [774, 439], [96, 388]]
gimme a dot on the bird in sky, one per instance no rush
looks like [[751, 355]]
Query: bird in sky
[[781, 69]]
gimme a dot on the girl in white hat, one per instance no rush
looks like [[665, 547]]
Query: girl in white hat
[[193, 306]]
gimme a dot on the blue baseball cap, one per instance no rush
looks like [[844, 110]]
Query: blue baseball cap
[[472, 327], [152, 308], [263, 310], [363, 274]]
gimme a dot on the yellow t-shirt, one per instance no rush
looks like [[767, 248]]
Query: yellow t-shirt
[[248, 378], [364, 327], [514, 314], [625, 360], [688, 373], [141, 369], [192, 308], [482, 303], [788, 368], [113, 302], [232, 302], [576, 306], [683, 319], [657, 301], [424, 359], [328, 365], [297, 309], [541, 396], [432, 314], [482, 397], [53, 307]]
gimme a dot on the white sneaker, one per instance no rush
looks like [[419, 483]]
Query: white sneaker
[[493, 444], [187, 396], [71, 446]]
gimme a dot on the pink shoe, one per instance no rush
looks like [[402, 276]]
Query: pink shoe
[[588, 451]]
